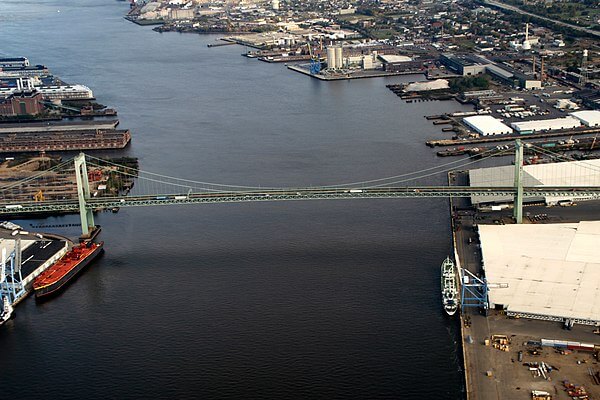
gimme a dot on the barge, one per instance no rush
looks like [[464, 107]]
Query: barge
[[66, 269]]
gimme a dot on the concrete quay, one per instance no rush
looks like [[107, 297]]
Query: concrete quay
[[492, 374], [343, 77]]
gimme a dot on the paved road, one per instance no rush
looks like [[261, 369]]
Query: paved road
[[518, 10]]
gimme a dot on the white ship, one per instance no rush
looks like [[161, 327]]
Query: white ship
[[449, 287]]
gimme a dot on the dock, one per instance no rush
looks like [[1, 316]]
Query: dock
[[81, 139], [506, 138], [34, 127], [224, 43], [495, 371], [352, 75]]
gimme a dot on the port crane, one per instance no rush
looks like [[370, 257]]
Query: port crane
[[12, 287], [315, 63], [474, 290]]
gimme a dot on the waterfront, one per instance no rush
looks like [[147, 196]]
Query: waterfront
[[283, 300]]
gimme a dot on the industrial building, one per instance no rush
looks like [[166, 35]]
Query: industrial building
[[24, 99], [570, 174], [398, 63], [25, 102], [468, 65], [589, 97], [546, 125], [529, 280], [487, 125], [465, 65], [590, 118], [513, 78]]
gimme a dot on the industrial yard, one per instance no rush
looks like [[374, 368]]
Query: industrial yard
[[534, 297]]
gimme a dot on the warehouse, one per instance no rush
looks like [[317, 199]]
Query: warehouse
[[398, 63], [546, 125], [589, 118], [465, 65], [487, 125], [569, 174], [558, 285]]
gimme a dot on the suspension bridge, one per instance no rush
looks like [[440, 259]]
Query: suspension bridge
[[153, 189]]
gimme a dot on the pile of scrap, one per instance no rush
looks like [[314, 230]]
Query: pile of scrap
[[540, 395], [576, 392], [500, 342], [540, 369]]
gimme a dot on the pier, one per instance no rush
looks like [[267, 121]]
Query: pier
[[64, 140], [346, 76], [507, 138]]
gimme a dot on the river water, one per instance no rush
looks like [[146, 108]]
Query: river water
[[318, 299]]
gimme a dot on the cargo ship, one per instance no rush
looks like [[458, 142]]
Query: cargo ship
[[64, 270], [449, 287]]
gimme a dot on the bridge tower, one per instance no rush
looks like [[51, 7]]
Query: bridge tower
[[518, 200], [83, 194]]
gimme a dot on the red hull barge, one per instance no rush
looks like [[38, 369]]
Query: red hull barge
[[64, 270]]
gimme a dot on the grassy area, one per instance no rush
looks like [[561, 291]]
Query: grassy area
[[383, 33]]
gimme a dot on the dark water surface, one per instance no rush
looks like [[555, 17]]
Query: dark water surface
[[320, 299]]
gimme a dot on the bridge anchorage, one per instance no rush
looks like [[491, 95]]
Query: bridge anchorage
[[153, 189]]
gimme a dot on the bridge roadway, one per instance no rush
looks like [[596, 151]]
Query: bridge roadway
[[292, 194]]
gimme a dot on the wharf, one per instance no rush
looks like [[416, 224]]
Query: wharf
[[354, 75], [144, 22], [584, 144], [36, 127], [37, 254], [505, 138], [224, 43], [64, 140], [280, 59], [492, 374]]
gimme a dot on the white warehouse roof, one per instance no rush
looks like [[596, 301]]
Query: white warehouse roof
[[392, 58], [487, 125], [561, 283], [546, 124], [571, 173], [588, 117]]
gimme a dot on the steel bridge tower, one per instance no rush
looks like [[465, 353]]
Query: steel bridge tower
[[518, 183], [83, 194]]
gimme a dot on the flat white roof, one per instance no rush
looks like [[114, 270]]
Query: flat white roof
[[391, 58], [551, 269], [546, 124], [570, 174], [588, 117], [487, 125]]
